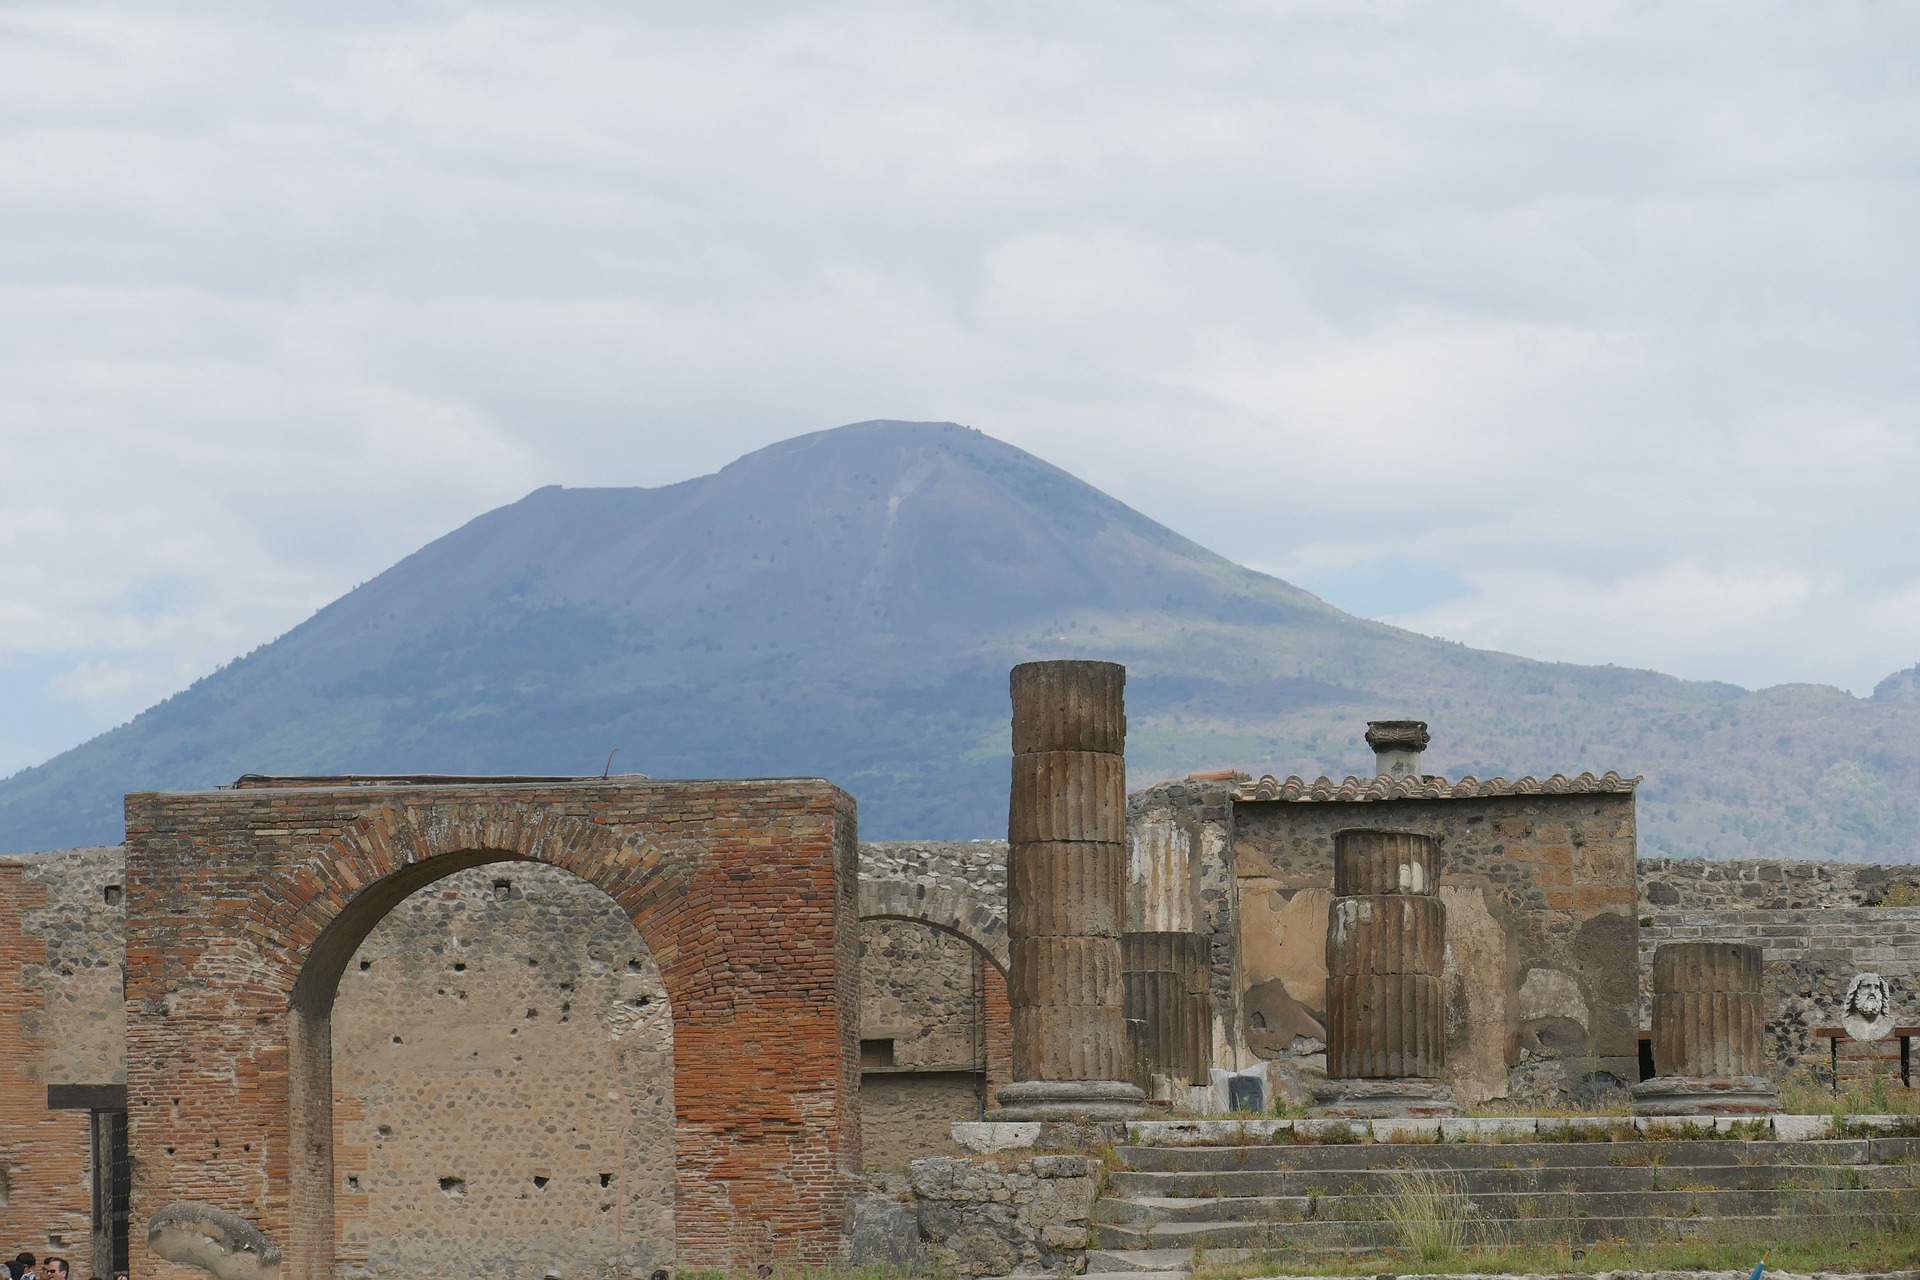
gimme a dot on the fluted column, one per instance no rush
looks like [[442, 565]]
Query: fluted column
[[1709, 1032], [1386, 999], [1066, 886]]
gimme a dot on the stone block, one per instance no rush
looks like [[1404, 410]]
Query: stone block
[[987, 1137], [1406, 1130], [1062, 1167], [1487, 1129]]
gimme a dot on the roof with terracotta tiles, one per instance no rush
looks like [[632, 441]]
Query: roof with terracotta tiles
[[1429, 787]]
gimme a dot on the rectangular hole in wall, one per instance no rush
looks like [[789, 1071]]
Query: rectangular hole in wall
[[113, 894], [876, 1053]]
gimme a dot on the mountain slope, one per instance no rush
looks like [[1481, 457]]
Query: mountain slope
[[847, 603]]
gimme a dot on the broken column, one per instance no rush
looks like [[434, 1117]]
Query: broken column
[[1709, 1033], [1066, 878], [1386, 999]]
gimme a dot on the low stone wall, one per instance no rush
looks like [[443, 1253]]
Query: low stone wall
[[1021, 1212], [1698, 884], [1820, 923]]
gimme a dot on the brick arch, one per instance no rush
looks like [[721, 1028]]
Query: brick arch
[[324, 908], [962, 915], [245, 906]]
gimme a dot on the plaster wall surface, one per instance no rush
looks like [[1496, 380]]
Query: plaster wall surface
[[1542, 935]]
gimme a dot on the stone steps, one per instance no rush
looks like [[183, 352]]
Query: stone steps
[[1477, 1182], [1311, 1199], [1504, 1207], [1318, 1238], [1490, 1155]]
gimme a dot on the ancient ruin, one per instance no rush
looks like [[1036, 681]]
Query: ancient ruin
[[1709, 1051], [1386, 1002], [375, 1027], [1066, 876], [246, 907]]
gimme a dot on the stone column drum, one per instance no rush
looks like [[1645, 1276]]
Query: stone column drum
[[1709, 1033], [1386, 999], [1066, 887]]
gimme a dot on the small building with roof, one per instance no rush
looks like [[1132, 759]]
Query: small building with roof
[[1537, 875]]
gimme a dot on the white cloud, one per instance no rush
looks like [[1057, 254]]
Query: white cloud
[[1592, 322]]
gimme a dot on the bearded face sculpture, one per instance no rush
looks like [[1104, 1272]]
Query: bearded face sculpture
[[1867, 1012]]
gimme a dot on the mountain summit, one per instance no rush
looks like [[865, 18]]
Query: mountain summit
[[846, 604]]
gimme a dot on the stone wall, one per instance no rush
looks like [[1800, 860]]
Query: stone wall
[[956, 885], [1820, 923], [935, 1039], [1021, 1213], [502, 1048], [1542, 939]]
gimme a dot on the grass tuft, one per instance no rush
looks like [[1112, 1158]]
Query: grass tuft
[[1429, 1210]]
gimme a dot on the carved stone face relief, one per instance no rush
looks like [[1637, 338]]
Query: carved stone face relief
[[1867, 1012], [214, 1240]]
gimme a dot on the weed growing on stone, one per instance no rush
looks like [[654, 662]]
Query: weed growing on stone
[[1597, 1131], [1429, 1210], [1811, 1093], [1796, 1247]]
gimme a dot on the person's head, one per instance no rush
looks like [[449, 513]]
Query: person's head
[[55, 1269]]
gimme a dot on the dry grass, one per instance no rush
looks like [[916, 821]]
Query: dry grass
[[1430, 1212], [1805, 1093], [1869, 1248]]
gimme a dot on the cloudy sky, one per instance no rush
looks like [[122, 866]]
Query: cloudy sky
[[1582, 330]]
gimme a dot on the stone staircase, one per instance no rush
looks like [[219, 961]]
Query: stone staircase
[[1302, 1199]]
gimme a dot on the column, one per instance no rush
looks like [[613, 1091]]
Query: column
[[1066, 886], [1709, 1033], [1386, 998]]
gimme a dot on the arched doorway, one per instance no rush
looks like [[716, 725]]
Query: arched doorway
[[246, 906], [503, 1086], [936, 1037]]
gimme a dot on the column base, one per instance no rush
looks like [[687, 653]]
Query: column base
[[1705, 1096], [1383, 1099], [1069, 1100]]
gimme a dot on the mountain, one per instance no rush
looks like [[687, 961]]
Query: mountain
[[846, 604]]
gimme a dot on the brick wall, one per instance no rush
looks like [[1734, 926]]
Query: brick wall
[[744, 892], [45, 1188], [544, 944]]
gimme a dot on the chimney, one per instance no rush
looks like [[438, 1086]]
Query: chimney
[[1397, 745]]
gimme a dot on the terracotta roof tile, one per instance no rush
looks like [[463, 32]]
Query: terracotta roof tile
[[1429, 787]]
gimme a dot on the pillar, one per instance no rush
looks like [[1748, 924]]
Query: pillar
[[1166, 963], [1386, 998], [1709, 1033], [1066, 887]]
